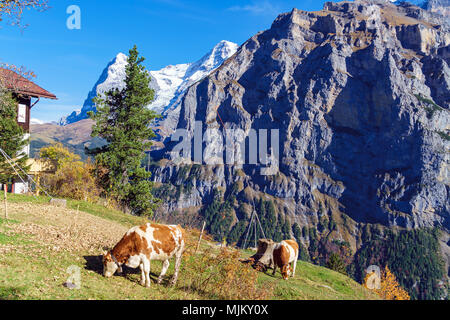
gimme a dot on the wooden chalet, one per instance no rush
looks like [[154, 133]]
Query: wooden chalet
[[24, 91]]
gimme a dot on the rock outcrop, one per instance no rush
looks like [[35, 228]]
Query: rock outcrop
[[360, 93]]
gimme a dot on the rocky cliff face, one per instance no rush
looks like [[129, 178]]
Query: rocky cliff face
[[360, 92]]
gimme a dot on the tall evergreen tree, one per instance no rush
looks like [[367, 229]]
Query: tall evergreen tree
[[278, 232], [271, 219], [302, 251], [11, 137], [123, 120], [286, 229], [297, 232]]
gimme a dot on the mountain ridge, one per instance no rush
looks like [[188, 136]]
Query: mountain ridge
[[169, 82]]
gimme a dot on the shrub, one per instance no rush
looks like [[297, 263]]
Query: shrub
[[222, 276], [73, 178], [57, 152]]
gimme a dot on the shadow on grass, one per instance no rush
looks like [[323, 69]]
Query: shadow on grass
[[11, 293], [95, 264]]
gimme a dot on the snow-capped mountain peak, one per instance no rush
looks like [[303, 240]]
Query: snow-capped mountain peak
[[169, 82], [116, 74]]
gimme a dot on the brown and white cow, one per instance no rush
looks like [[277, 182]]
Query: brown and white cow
[[285, 253], [140, 245], [271, 254]]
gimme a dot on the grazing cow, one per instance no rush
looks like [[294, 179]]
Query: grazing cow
[[272, 255], [140, 245], [285, 253]]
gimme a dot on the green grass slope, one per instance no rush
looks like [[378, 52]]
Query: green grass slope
[[42, 246]]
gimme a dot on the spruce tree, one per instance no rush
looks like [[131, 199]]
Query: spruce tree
[[286, 228], [271, 218], [11, 137], [123, 120], [297, 232], [278, 232]]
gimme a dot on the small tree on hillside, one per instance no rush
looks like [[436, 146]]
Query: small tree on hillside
[[336, 263], [11, 137], [123, 120]]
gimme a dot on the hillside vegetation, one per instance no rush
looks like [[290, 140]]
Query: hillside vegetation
[[41, 246]]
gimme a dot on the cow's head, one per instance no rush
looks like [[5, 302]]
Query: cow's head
[[109, 266], [265, 243], [286, 271]]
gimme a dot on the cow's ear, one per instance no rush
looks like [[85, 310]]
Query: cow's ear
[[105, 252]]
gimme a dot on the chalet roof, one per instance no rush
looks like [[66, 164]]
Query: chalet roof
[[18, 84]]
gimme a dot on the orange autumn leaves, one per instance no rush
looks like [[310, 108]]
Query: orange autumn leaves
[[387, 287], [73, 177]]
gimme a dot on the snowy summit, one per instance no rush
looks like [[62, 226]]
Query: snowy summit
[[169, 83]]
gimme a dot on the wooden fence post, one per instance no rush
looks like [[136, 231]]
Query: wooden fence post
[[38, 184], [200, 238], [5, 187]]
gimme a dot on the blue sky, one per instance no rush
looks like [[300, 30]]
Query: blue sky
[[69, 62]]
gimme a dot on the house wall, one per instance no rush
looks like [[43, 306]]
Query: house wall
[[27, 102], [18, 186]]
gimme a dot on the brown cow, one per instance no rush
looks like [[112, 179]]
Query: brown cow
[[285, 253], [142, 244], [272, 255]]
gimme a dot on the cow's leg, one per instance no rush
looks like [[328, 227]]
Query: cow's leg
[[146, 263], [274, 269], [293, 269], [141, 266], [177, 266], [163, 270]]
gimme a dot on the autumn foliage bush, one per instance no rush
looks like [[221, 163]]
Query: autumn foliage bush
[[388, 289], [72, 179], [221, 275]]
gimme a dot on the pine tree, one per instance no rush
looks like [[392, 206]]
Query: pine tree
[[262, 215], [296, 231], [11, 137], [305, 232], [286, 229], [123, 120], [278, 232], [236, 234], [270, 219], [302, 252], [335, 263]]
